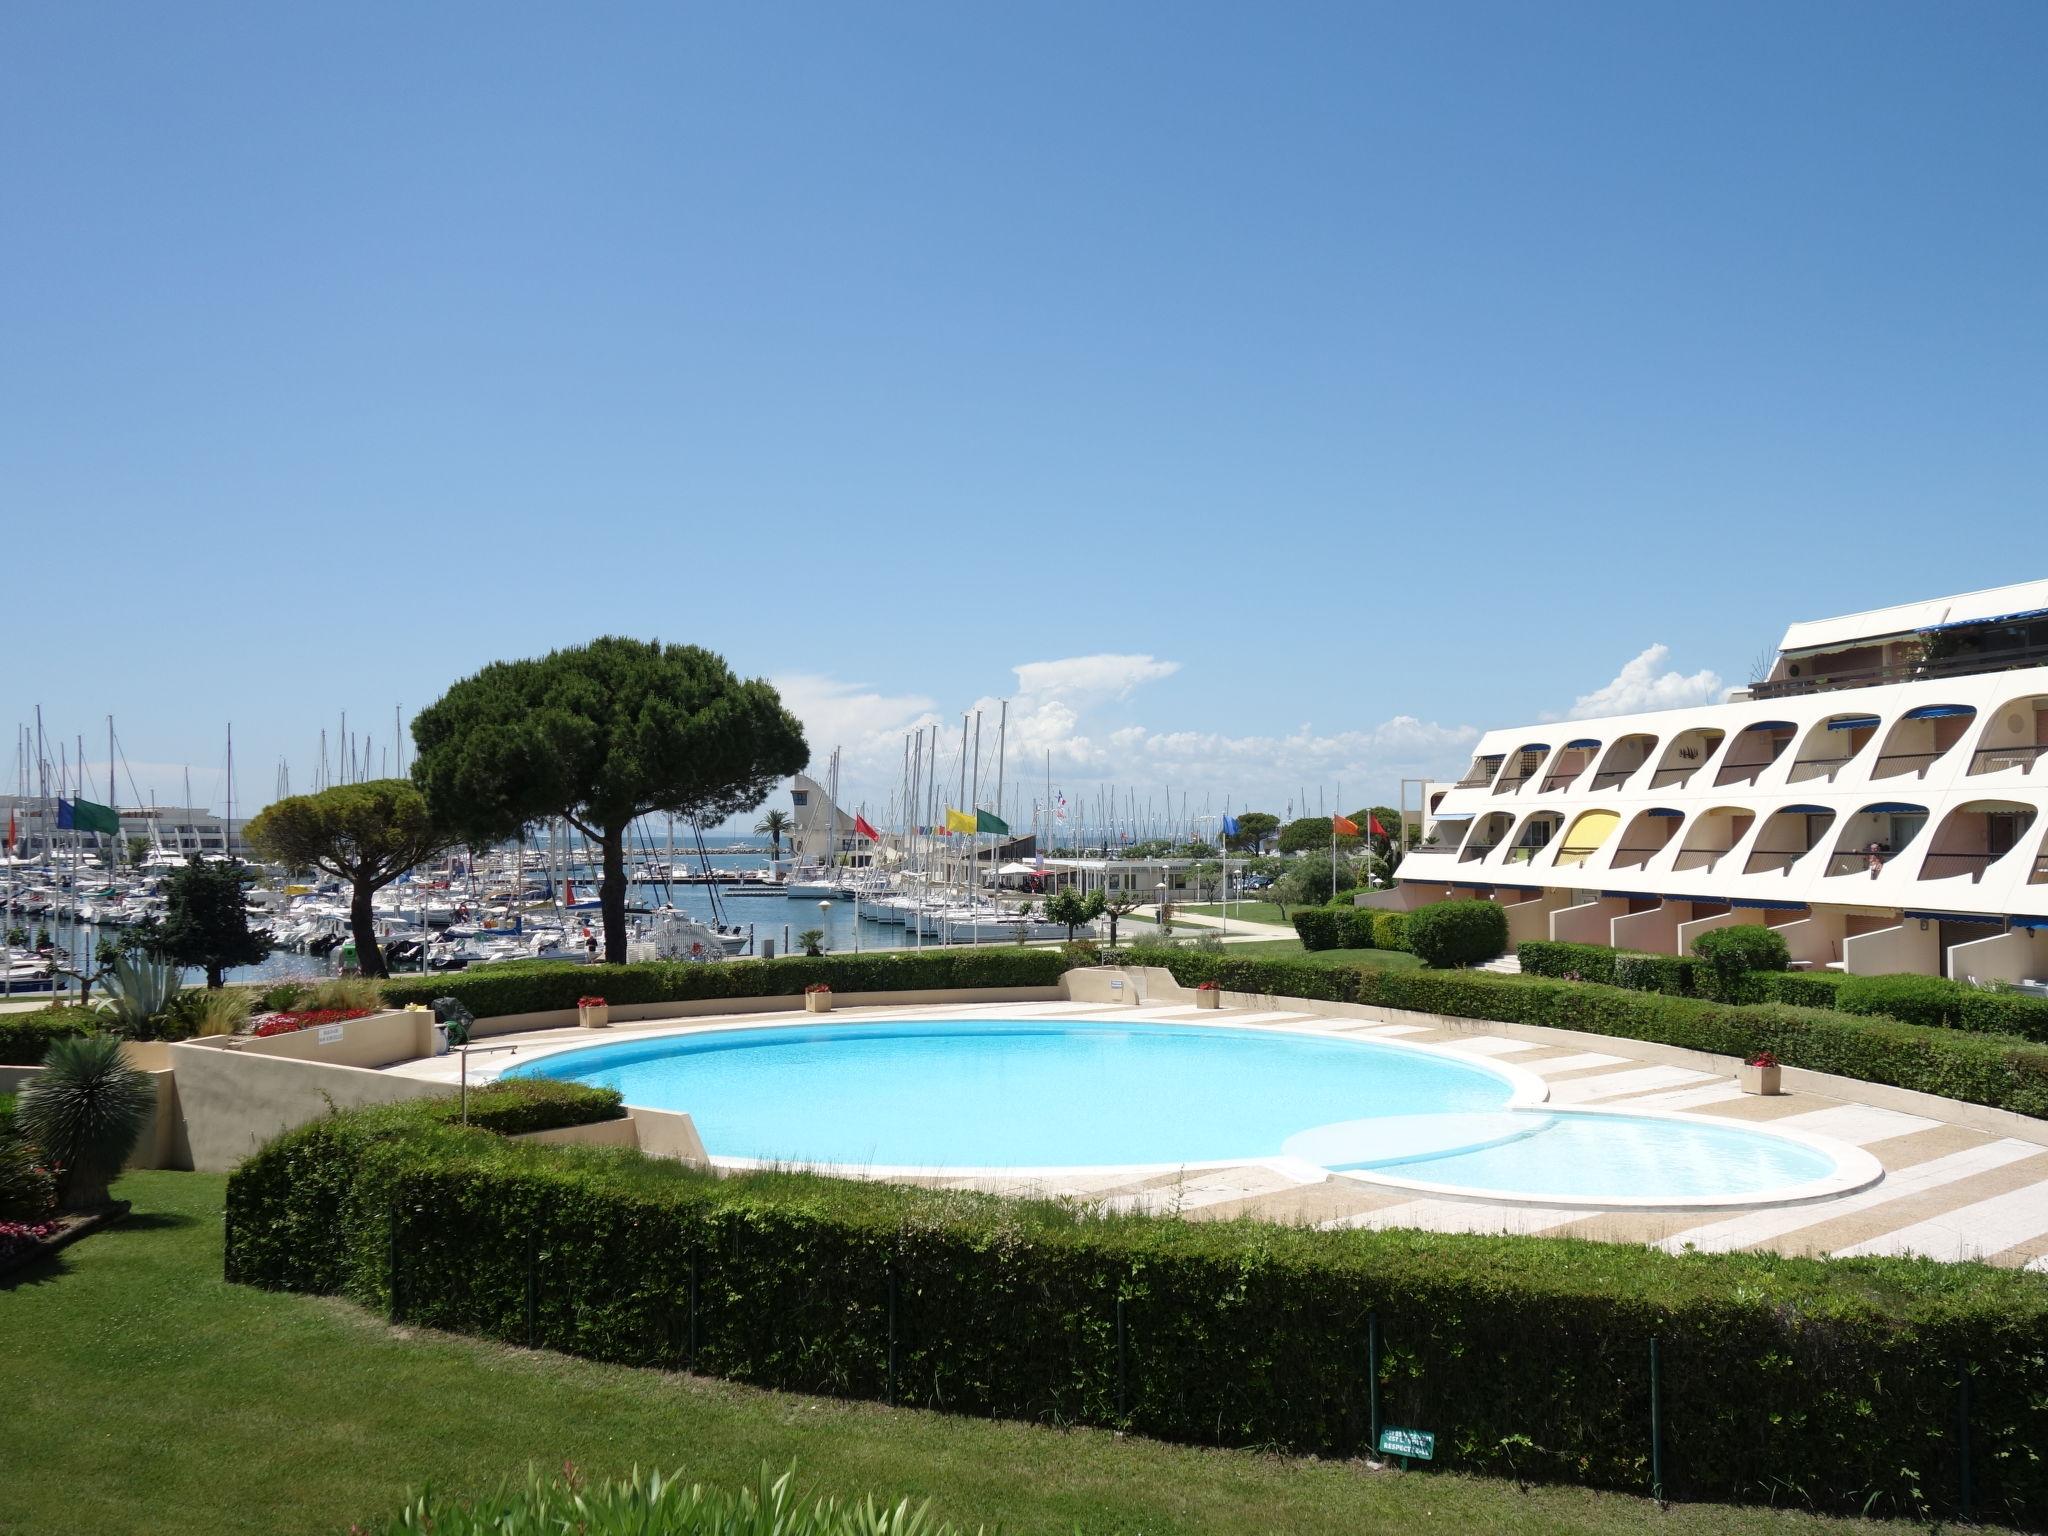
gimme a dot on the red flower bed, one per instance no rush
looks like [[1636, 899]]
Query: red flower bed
[[287, 1023], [17, 1237]]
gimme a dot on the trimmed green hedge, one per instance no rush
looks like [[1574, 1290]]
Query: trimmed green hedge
[[25, 1038], [1947, 1004], [519, 1106], [542, 986], [1316, 927], [1832, 1382], [1453, 933], [1390, 931], [2004, 1071]]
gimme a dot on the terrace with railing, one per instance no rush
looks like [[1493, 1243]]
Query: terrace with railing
[[1972, 665]]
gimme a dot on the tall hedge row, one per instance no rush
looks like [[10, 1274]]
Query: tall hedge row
[[26, 1038], [539, 986], [2000, 1070], [1836, 1383]]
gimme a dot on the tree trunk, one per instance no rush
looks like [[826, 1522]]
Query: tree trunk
[[611, 895], [216, 977], [362, 922]]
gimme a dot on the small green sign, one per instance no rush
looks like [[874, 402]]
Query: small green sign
[[1418, 1443]]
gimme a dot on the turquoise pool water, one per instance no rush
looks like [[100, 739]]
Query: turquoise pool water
[[1019, 1093], [1062, 1093]]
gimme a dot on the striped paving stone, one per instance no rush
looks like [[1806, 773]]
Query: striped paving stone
[[1493, 1045], [1576, 1061], [1857, 1124], [1613, 1085], [1980, 1230], [1715, 1092], [1857, 1215]]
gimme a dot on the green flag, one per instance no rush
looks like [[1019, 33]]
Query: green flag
[[87, 817], [989, 821]]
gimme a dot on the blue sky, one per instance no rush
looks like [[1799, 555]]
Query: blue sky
[[1267, 374]]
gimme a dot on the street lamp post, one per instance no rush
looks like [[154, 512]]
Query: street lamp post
[[824, 915]]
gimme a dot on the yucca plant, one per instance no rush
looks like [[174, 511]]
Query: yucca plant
[[141, 989], [83, 1112]]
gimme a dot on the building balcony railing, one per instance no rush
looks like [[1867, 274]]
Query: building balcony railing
[[1525, 854], [1701, 858], [1944, 866], [2040, 874], [1910, 672], [1472, 852], [1431, 848], [1574, 854], [1558, 781], [1993, 759], [1474, 781], [1854, 862], [1778, 861], [1878, 770], [1622, 854], [1510, 785], [1665, 777], [1612, 778], [1825, 765]]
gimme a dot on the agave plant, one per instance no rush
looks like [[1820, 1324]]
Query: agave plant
[[83, 1112], [141, 989]]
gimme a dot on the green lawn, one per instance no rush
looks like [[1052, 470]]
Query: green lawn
[[139, 1393], [1290, 949], [1250, 911]]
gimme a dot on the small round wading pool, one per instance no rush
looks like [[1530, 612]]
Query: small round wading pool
[[1064, 1094]]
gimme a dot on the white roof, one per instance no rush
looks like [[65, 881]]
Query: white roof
[[1906, 618]]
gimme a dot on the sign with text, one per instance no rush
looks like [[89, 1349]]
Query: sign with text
[[330, 1034], [1418, 1443]]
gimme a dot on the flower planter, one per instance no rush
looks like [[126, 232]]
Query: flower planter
[[817, 1002], [1763, 1080], [594, 1016], [1208, 999]]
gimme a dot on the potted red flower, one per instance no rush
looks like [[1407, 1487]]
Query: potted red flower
[[1760, 1074], [1208, 995], [593, 1013], [818, 997]]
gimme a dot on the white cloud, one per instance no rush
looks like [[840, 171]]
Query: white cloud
[[1639, 687]]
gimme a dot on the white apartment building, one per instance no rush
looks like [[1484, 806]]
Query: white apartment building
[[178, 829], [1877, 799]]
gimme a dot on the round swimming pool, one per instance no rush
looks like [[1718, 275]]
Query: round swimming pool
[[1066, 1094]]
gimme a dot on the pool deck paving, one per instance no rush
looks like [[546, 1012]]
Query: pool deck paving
[[1951, 1190]]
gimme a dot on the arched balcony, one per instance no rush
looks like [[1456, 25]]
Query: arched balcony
[[1754, 749], [1588, 833], [1623, 761], [2015, 736], [1573, 759], [1788, 835], [1646, 837], [1686, 756], [1920, 739], [1830, 746], [1484, 766], [1973, 837], [1523, 764], [1874, 836], [1712, 836], [1487, 833], [1539, 830]]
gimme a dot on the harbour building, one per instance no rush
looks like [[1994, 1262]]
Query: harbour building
[[1877, 798]]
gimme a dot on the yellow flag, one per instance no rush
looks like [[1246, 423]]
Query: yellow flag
[[959, 821]]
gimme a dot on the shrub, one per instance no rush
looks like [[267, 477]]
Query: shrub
[[25, 1038], [18, 1238], [1454, 933], [2004, 1071], [1575, 962], [1837, 1377], [526, 986], [1734, 956], [28, 1188], [283, 997], [518, 1106], [141, 990], [1805, 989], [653, 1505], [1390, 931], [84, 1111], [343, 992], [1317, 927], [1947, 1004], [1081, 952]]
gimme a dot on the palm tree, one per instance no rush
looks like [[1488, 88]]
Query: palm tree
[[776, 825]]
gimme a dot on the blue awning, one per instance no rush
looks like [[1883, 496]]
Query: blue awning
[[1452, 816], [1469, 885], [2003, 618], [2028, 922], [1627, 896], [1583, 741], [1767, 906], [1806, 810], [1893, 808], [1534, 746], [1979, 918], [1940, 711], [1769, 725], [1665, 811], [1853, 723]]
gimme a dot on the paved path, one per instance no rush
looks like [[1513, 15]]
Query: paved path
[[1950, 1191]]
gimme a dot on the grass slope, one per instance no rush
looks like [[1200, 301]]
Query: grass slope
[[139, 1392]]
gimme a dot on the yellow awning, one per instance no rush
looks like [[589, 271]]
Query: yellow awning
[[1589, 829]]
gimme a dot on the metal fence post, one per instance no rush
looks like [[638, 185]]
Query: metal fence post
[[694, 1261], [394, 1261], [1120, 1396], [1656, 1424], [1963, 1488], [532, 1289], [892, 1335], [1372, 1380]]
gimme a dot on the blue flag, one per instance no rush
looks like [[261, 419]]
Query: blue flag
[[64, 822], [1229, 826]]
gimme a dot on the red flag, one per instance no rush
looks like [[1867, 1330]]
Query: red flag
[[1345, 826], [1373, 822], [860, 825]]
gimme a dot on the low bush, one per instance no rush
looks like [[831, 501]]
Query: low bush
[[1805, 989], [84, 1112], [25, 1038], [1735, 957], [1390, 931], [1947, 1004], [343, 992], [1530, 1356], [1454, 933], [652, 1505], [1316, 927], [20, 1237], [519, 1106], [536, 986], [292, 1023], [2004, 1071]]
